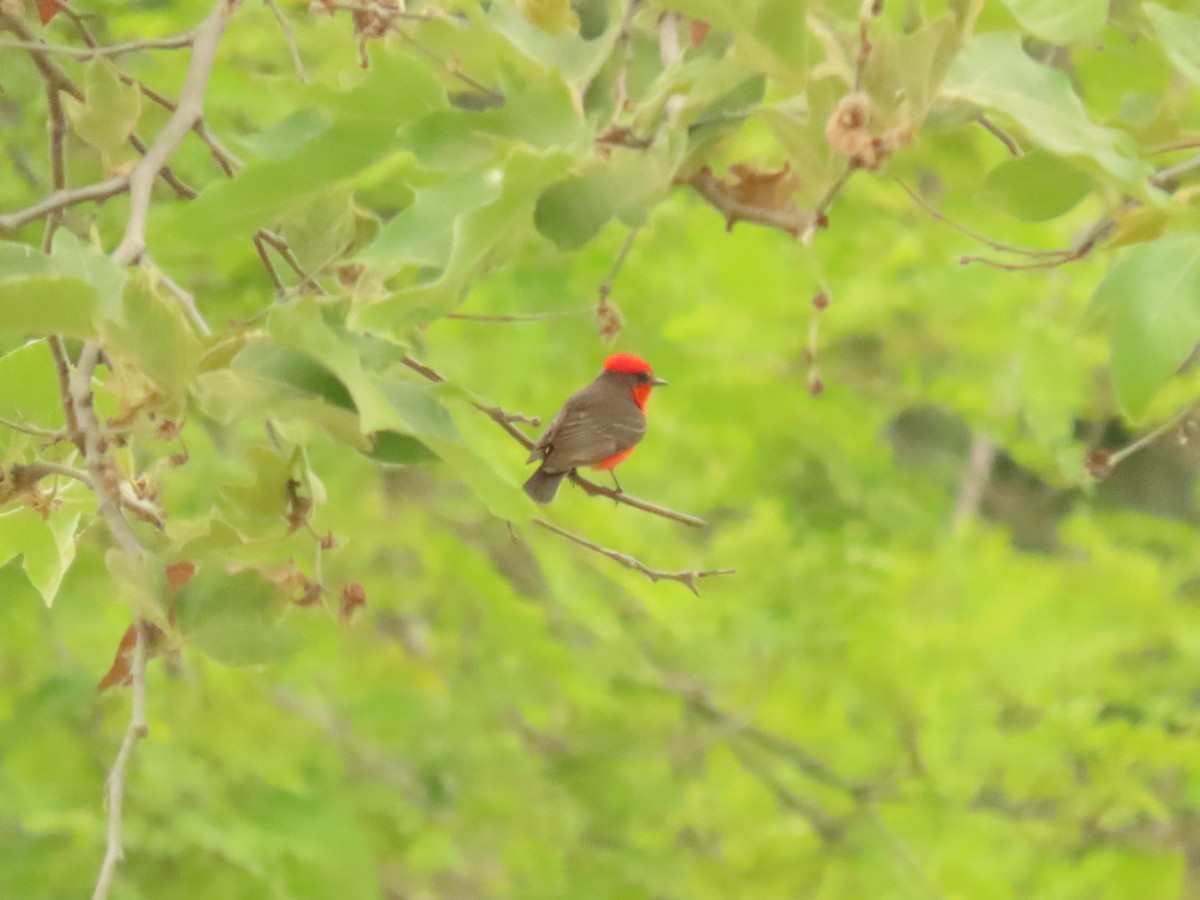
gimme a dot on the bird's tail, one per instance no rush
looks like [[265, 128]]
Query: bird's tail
[[543, 485]]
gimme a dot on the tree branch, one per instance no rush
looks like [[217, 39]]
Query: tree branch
[[688, 578], [62, 199], [188, 111], [290, 38], [175, 42], [791, 220], [115, 788]]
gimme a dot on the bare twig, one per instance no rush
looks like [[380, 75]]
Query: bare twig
[[1086, 244], [185, 298], [974, 480], [1168, 178], [175, 42], [825, 825], [819, 218], [688, 578], [1101, 463], [60, 200], [515, 318], [916, 198], [606, 285], [188, 111], [698, 701], [452, 68], [281, 246], [288, 36], [34, 430], [58, 158], [115, 788], [591, 488], [867, 11], [999, 134]]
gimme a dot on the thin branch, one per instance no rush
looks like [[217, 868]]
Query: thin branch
[[822, 823], [1100, 463], [591, 488], [999, 134], [819, 218], [60, 200], [288, 36], [451, 68], [33, 472], [1168, 178], [688, 578], [606, 285], [1090, 240], [34, 430], [188, 111], [867, 11], [515, 318], [58, 158], [185, 298], [281, 246], [974, 480], [115, 788], [920, 201], [175, 42], [795, 755]]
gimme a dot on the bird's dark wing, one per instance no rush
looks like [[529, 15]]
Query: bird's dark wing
[[589, 429]]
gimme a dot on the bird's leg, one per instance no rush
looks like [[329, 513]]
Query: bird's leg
[[613, 473]]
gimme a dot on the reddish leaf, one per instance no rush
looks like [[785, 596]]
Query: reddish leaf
[[48, 9], [179, 574], [699, 32], [120, 673]]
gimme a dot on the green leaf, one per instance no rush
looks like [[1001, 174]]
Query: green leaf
[[72, 258], [46, 545], [110, 109], [475, 239], [427, 420], [47, 304], [994, 72], [300, 327], [399, 449], [155, 337], [1180, 36], [1152, 297], [235, 619], [564, 53], [573, 211], [1060, 21], [552, 16], [362, 130], [29, 386], [1037, 186]]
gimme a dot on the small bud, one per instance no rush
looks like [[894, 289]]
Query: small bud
[[1099, 464], [816, 386], [820, 301]]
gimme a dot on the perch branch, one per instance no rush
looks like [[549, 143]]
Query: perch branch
[[687, 578]]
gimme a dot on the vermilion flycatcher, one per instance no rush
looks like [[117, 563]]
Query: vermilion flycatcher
[[598, 426]]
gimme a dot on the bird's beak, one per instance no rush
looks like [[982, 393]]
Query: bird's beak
[[659, 382]]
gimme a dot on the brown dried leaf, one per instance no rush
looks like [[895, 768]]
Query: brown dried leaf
[[354, 598]]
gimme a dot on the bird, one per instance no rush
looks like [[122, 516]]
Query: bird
[[598, 426]]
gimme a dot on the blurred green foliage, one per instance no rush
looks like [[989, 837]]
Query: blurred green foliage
[[953, 661]]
